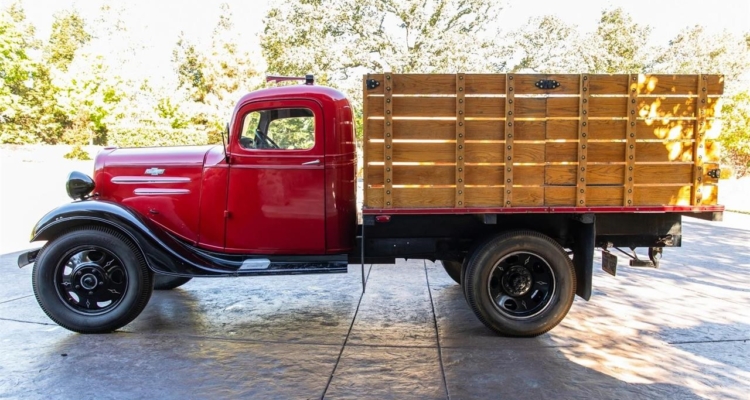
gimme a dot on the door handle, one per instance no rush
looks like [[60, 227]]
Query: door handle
[[314, 162]]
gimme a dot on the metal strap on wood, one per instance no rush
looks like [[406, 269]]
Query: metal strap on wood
[[630, 136], [460, 133], [583, 112], [388, 142], [699, 147], [509, 125]]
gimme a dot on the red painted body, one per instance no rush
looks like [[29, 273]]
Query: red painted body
[[263, 201]]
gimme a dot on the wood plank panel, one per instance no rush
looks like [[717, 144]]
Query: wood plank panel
[[600, 129], [426, 129], [660, 173], [495, 174], [414, 175], [710, 194], [604, 195], [662, 195], [485, 107], [559, 195], [485, 153], [484, 197], [597, 174], [662, 152], [415, 152], [424, 84], [597, 152], [493, 84], [654, 84], [562, 107], [412, 198]]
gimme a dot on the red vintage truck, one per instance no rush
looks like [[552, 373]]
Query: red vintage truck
[[511, 180]]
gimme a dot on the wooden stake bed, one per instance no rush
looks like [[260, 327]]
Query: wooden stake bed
[[486, 141]]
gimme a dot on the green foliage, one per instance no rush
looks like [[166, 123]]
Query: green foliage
[[293, 133], [77, 153], [68, 35], [735, 135]]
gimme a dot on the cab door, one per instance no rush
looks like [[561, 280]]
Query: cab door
[[276, 202]]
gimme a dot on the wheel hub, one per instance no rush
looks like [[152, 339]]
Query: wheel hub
[[517, 281], [91, 280]]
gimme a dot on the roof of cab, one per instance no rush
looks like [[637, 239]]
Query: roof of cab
[[293, 91]]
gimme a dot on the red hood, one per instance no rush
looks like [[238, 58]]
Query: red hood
[[182, 155]]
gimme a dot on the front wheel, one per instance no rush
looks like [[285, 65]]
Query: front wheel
[[91, 280], [520, 283]]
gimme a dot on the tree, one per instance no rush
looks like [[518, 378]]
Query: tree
[[694, 50], [336, 39], [619, 45], [215, 78], [735, 134], [68, 35], [545, 44], [25, 91]]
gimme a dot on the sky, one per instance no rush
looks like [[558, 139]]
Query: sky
[[157, 23]]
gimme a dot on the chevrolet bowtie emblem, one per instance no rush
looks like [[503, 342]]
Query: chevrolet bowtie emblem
[[154, 171]]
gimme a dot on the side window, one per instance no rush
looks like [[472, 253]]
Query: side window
[[279, 129]]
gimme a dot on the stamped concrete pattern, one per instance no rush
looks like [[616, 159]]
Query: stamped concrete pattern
[[682, 332]]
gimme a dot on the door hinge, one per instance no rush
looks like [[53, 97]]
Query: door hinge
[[547, 84], [227, 214]]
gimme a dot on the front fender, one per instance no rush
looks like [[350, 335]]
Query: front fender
[[163, 253]]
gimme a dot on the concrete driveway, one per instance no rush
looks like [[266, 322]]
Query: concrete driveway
[[682, 331]]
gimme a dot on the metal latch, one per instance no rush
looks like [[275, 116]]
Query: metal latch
[[547, 84], [714, 173], [372, 83]]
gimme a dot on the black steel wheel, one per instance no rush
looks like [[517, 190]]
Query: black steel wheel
[[91, 280], [453, 269], [166, 282], [520, 283]]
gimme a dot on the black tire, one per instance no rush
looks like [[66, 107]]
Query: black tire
[[520, 283], [453, 269], [166, 282], [98, 265]]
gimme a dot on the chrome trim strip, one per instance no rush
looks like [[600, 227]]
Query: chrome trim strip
[[158, 191], [135, 180]]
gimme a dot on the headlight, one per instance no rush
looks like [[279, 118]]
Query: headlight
[[79, 185]]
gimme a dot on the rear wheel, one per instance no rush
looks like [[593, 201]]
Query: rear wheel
[[453, 269], [520, 283], [166, 282], [91, 280]]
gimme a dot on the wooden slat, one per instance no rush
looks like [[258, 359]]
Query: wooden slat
[[388, 141], [446, 152], [495, 174], [522, 196], [595, 174], [630, 147], [680, 151], [460, 139], [583, 119], [413, 197], [509, 130], [493, 84], [597, 152], [663, 174], [662, 195], [700, 139], [655, 84], [424, 175], [559, 195]]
